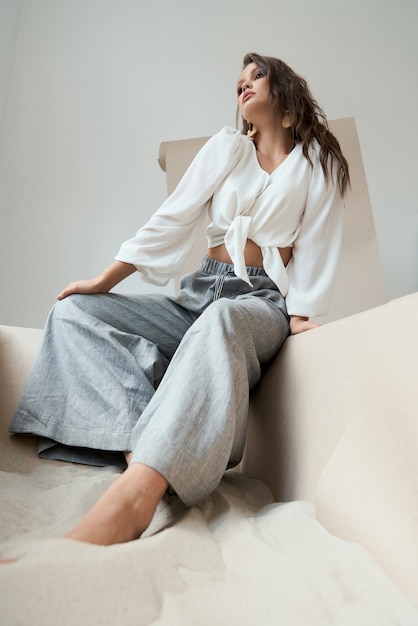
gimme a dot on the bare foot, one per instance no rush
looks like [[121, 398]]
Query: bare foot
[[125, 510]]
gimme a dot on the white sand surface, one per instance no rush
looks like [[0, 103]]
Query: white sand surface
[[236, 559]]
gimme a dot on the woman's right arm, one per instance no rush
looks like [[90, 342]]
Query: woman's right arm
[[104, 282], [159, 249]]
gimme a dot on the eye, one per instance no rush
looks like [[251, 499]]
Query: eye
[[258, 75], [239, 91]]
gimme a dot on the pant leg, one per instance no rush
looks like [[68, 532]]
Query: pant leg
[[96, 370], [195, 424]]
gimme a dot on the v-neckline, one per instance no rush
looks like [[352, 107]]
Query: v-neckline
[[270, 174]]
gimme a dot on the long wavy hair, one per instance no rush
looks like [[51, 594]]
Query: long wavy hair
[[290, 95]]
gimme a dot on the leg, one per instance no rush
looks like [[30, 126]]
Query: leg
[[96, 371], [195, 425], [125, 510]]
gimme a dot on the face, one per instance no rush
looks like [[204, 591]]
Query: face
[[253, 90]]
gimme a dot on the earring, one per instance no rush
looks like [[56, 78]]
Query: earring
[[251, 130], [286, 120]]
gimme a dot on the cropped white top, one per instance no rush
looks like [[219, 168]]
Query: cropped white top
[[293, 206]]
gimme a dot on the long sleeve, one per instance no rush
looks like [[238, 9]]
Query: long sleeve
[[313, 267], [161, 247]]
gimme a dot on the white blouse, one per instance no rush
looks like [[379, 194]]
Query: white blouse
[[292, 206]]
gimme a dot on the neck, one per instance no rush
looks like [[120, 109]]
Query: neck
[[274, 142], [271, 138]]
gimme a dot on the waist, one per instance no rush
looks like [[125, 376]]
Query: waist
[[214, 266], [252, 254]]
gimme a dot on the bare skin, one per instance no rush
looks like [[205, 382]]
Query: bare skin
[[125, 510]]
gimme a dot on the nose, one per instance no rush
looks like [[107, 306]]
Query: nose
[[245, 85]]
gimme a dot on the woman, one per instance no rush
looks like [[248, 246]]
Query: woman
[[166, 381]]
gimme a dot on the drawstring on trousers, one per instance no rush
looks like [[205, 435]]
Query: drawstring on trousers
[[219, 284]]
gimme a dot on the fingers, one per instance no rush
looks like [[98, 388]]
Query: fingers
[[310, 325], [301, 325], [66, 292], [81, 286]]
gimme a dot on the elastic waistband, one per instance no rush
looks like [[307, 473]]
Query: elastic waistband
[[213, 266]]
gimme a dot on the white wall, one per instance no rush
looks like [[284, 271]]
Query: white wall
[[95, 85], [9, 23]]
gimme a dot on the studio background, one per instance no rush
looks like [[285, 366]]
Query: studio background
[[89, 89]]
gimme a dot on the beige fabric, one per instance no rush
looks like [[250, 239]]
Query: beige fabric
[[359, 282], [368, 491], [238, 557], [335, 421], [17, 351]]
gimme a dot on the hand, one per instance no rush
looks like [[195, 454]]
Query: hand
[[300, 324], [90, 286], [103, 283]]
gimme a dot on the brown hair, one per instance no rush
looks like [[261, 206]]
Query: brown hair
[[290, 95]]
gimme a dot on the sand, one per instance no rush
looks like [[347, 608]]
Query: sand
[[236, 558]]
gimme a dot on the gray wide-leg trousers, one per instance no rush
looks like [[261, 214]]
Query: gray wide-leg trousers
[[166, 378]]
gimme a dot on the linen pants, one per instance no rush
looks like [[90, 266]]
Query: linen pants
[[95, 388]]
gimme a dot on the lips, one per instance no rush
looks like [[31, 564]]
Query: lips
[[247, 94]]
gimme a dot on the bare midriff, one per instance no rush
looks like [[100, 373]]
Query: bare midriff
[[252, 254]]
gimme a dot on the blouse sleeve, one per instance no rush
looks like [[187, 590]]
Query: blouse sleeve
[[316, 251], [160, 249]]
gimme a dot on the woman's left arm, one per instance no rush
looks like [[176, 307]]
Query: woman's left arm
[[316, 251]]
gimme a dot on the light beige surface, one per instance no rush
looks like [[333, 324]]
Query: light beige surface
[[335, 421], [234, 559], [17, 352], [359, 281], [239, 557]]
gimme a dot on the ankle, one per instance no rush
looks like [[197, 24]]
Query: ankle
[[125, 510]]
